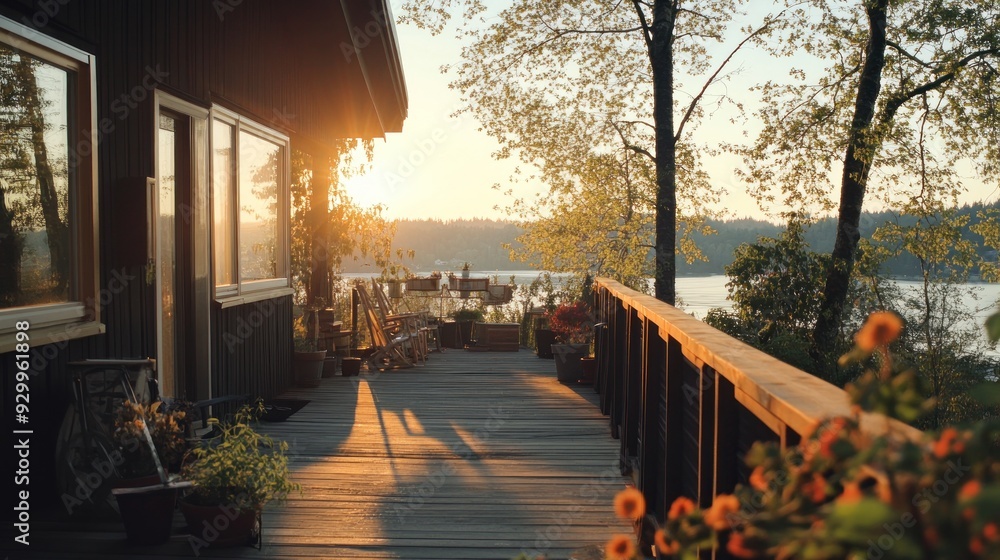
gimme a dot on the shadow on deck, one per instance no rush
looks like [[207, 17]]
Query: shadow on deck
[[471, 456]]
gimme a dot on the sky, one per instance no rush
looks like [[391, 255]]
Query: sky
[[441, 166]]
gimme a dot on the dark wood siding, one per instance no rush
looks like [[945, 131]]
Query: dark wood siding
[[277, 65], [252, 349]]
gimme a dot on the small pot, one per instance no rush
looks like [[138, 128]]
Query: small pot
[[148, 516], [588, 366], [350, 367], [544, 338], [330, 366], [308, 368]]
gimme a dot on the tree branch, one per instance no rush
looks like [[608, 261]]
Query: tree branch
[[711, 79], [633, 147], [898, 101], [906, 54], [646, 34]]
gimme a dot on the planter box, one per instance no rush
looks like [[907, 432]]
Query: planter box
[[498, 294], [469, 284], [423, 284], [394, 289], [498, 337]]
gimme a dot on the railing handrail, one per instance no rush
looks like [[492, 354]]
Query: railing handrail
[[797, 398]]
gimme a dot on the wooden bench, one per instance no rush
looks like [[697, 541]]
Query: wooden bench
[[498, 337]]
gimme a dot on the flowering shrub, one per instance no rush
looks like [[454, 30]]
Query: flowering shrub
[[572, 323], [845, 493], [166, 427]]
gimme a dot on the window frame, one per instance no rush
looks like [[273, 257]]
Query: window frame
[[81, 315], [242, 291]]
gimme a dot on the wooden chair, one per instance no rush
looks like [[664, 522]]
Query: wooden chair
[[390, 351], [395, 323]]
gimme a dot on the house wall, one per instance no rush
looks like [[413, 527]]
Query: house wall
[[188, 49]]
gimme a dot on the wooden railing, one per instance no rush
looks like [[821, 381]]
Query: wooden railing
[[687, 401]]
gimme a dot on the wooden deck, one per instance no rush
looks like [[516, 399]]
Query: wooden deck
[[471, 456]]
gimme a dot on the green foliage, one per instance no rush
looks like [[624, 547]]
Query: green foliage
[[469, 314], [935, 114], [239, 466], [327, 223], [537, 73], [776, 284]]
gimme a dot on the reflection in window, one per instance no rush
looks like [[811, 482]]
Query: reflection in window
[[259, 169], [35, 240], [222, 201]]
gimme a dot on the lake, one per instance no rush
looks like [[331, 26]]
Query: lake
[[698, 294]]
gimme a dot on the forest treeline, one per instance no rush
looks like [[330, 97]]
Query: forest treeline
[[480, 242]]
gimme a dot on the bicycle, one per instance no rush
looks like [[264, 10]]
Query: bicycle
[[87, 459]]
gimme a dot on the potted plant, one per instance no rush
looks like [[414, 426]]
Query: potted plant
[[544, 337], [234, 474], [573, 328], [147, 506], [308, 359], [466, 319]]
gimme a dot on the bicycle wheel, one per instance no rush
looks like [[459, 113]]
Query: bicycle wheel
[[86, 469]]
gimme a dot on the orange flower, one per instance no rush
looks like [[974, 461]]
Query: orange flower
[[976, 546], [851, 494], [991, 531], [815, 489], [931, 536], [942, 447], [630, 504], [970, 490], [737, 548], [757, 479], [881, 328], [620, 547], [682, 506], [717, 517], [664, 546]]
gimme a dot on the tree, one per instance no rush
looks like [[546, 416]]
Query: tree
[[906, 91], [563, 85], [34, 184], [328, 226]]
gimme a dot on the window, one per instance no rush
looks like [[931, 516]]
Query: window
[[48, 257], [250, 199]]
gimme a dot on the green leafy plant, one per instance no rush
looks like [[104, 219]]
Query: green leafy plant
[[239, 465], [468, 315]]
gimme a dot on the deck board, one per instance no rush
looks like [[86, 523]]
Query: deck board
[[474, 455]]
